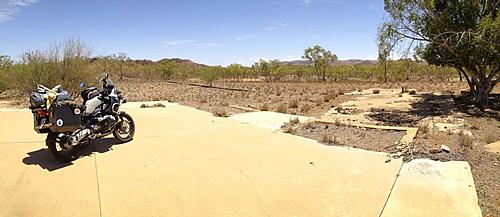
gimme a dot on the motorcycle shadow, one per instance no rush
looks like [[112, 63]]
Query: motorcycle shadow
[[45, 160]]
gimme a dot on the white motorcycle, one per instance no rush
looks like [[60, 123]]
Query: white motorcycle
[[71, 126]]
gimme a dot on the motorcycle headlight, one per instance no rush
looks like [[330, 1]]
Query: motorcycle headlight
[[116, 107]]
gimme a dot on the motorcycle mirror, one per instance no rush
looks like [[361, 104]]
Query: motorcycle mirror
[[82, 84]]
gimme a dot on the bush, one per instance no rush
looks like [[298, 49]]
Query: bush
[[67, 63]]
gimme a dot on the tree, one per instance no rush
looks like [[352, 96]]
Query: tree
[[276, 70], [166, 70], [320, 58], [385, 46], [460, 34], [264, 69], [210, 74], [122, 59]]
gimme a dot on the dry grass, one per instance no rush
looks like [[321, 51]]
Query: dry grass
[[221, 113], [282, 108], [308, 125], [290, 129], [293, 104], [156, 105], [330, 96], [294, 121], [490, 138], [264, 107], [337, 122], [329, 139], [423, 127], [465, 139], [305, 108]]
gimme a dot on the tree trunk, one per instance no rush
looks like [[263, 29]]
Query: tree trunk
[[481, 94], [385, 72]]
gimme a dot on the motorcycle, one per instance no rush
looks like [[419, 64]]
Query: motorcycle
[[70, 126]]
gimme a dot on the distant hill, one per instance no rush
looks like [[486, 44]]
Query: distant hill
[[183, 62], [178, 61], [338, 62]]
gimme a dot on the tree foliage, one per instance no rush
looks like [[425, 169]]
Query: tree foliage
[[320, 58], [460, 34]]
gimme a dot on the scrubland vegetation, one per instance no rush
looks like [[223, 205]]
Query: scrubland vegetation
[[70, 62]]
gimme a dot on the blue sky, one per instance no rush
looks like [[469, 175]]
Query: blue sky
[[214, 32]]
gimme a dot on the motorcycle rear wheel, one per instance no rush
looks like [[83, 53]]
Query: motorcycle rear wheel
[[55, 142], [125, 130]]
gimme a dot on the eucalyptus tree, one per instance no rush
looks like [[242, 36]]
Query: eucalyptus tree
[[461, 34], [320, 58]]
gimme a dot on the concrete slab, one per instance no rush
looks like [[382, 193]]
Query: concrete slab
[[33, 184], [266, 119], [189, 163], [431, 188], [186, 162]]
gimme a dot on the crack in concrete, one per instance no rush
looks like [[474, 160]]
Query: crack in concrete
[[97, 182], [257, 194], [390, 192]]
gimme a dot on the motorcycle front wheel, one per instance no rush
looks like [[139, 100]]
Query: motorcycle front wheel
[[57, 144], [125, 130]]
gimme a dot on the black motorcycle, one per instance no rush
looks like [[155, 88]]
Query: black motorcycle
[[71, 126]]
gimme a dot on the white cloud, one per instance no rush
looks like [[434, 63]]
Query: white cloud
[[275, 27], [247, 36], [10, 8], [192, 43]]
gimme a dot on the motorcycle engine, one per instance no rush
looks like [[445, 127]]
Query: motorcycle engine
[[104, 123]]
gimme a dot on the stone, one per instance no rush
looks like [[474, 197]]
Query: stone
[[445, 148], [435, 151], [412, 92]]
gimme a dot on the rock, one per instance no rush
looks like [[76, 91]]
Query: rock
[[412, 92], [399, 147], [445, 148], [376, 91], [435, 151]]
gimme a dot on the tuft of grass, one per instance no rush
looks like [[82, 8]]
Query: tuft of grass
[[308, 125], [329, 139], [465, 139], [290, 129], [490, 138], [305, 108], [156, 105], [264, 107], [282, 108], [423, 127], [221, 113], [337, 122], [294, 104], [329, 97], [294, 121]]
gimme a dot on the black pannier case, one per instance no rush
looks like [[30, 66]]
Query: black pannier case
[[64, 119]]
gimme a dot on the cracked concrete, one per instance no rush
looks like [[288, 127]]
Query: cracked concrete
[[185, 162]]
